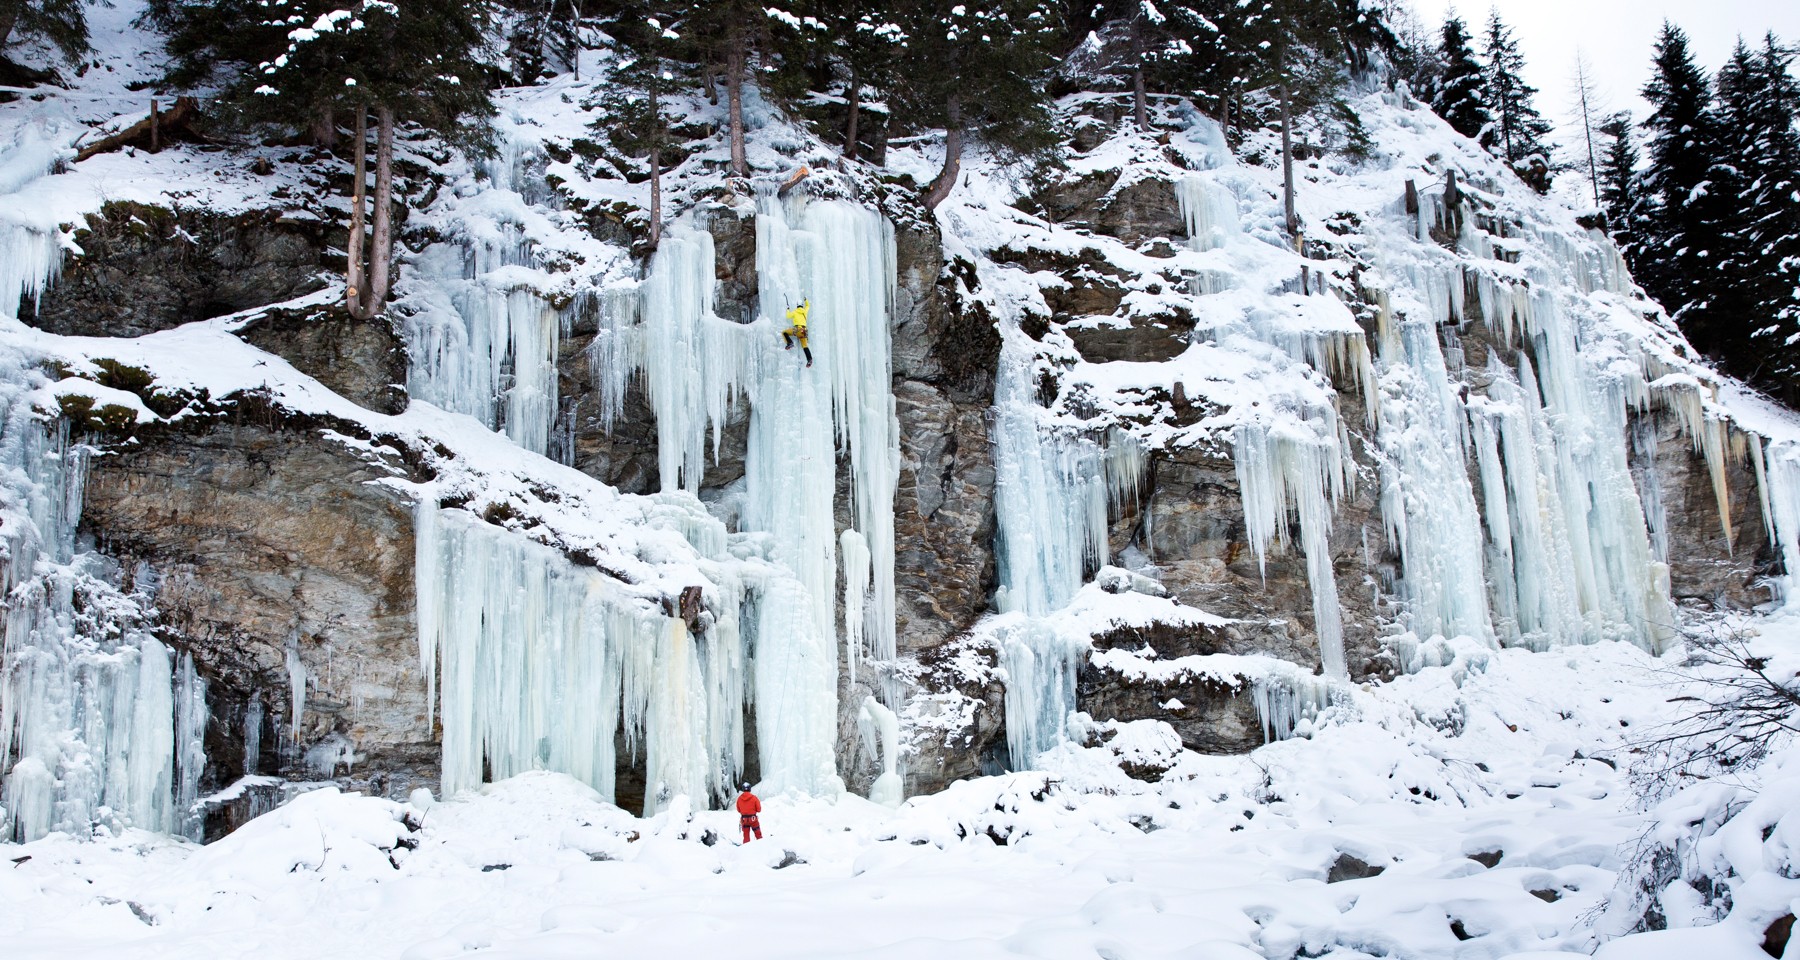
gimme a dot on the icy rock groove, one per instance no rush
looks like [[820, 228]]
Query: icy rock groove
[[481, 328], [101, 724]]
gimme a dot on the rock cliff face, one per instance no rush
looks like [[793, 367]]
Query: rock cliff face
[[278, 557], [145, 268]]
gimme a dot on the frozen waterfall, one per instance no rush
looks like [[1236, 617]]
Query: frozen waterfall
[[101, 724], [481, 327]]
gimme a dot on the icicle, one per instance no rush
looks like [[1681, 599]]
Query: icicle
[[694, 363], [1783, 465], [1302, 472], [546, 665], [1209, 210], [1285, 697], [190, 748], [253, 724], [880, 730], [1050, 493], [1041, 666], [296, 671], [856, 590]]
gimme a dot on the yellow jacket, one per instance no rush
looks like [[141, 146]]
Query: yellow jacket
[[797, 316]]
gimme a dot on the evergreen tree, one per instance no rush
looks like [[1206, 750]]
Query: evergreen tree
[[1586, 97], [1308, 54], [413, 63], [1515, 131], [977, 71], [1619, 193], [1733, 265], [852, 48], [61, 23], [1774, 200], [1415, 55], [728, 35], [1146, 47], [637, 98], [1458, 98], [1673, 254]]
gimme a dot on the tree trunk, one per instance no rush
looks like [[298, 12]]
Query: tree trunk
[[655, 196], [155, 133], [656, 135], [353, 276], [381, 253], [734, 92], [953, 145], [1287, 165], [575, 40], [1140, 109], [852, 133], [324, 132]]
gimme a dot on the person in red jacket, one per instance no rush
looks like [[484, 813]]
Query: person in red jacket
[[748, 807]]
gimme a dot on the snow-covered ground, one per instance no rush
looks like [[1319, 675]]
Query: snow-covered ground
[[1492, 792]]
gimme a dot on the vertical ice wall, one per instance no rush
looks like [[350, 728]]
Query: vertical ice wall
[[1560, 550], [694, 365], [840, 257], [99, 723], [1050, 495], [30, 248], [545, 665]]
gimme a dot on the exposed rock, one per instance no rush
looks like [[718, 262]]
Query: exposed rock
[[1133, 211], [144, 269], [1703, 568], [1201, 551], [1351, 867], [363, 361], [262, 537], [956, 718], [944, 568], [1150, 339], [1208, 714]]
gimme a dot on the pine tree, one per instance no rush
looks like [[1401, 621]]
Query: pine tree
[[61, 23], [1516, 131], [1310, 46], [412, 63], [1462, 79], [977, 71], [1620, 197], [1586, 97], [729, 35], [1734, 265], [1415, 55], [1674, 252], [636, 100], [849, 48], [1774, 200]]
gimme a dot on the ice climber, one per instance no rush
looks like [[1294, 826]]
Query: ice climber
[[748, 807], [797, 330]]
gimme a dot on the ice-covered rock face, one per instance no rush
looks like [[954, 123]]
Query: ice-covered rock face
[[1420, 432]]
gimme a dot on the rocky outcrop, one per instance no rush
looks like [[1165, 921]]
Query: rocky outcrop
[[363, 361], [145, 268], [1209, 714], [268, 544], [1674, 481]]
